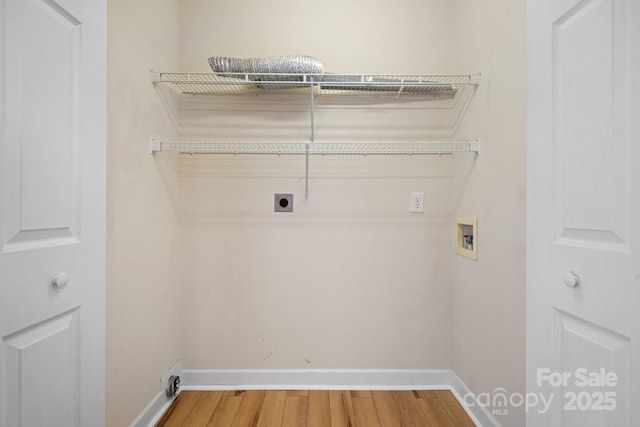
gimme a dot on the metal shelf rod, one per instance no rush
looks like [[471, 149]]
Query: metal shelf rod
[[324, 148], [427, 79], [306, 167]]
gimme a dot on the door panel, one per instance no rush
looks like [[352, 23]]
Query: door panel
[[591, 138], [590, 353], [40, 390], [583, 196], [52, 213], [41, 157]]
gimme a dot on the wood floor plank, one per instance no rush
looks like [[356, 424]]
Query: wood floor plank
[[167, 414], [250, 407], [295, 412], [273, 408], [318, 409], [365, 412], [435, 412], [387, 408], [454, 409], [181, 408], [341, 409], [361, 393], [203, 408], [427, 394], [225, 411], [299, 408], [412, 413]]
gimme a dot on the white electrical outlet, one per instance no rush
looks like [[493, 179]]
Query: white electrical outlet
[[417, 202]]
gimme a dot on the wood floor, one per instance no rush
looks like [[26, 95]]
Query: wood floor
[[316, 408]]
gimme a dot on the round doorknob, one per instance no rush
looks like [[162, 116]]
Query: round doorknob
[[571, 279], [60, 280]]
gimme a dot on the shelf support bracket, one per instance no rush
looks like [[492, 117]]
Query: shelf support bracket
[[474, 146], [154, 76], [155, 146]]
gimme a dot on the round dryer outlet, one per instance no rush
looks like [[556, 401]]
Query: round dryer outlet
[[283, 202]]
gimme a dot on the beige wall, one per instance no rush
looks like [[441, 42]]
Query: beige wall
[[489, 295], [351, 280], [359, 36], [142, 239]]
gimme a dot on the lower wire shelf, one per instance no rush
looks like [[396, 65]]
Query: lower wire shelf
[[317, 148]]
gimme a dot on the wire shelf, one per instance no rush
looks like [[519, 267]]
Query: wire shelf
[[317, 148], [395, 85], [457, 90]]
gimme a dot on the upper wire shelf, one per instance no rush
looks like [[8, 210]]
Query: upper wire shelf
[[394, 85]]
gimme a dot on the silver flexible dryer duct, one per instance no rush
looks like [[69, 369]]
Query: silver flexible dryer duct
[[290, 68], [268, 69]]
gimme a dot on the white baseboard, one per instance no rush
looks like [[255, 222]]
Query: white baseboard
[[322, 379], [160, 403], [317, 379], [153, 411], [467, 399]]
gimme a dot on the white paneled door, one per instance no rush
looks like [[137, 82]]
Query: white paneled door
[[52, 213], [583, 285]]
